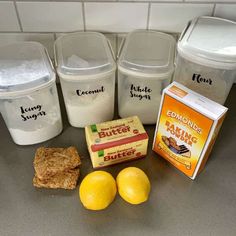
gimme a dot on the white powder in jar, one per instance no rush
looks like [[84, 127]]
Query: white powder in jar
[[141, 98], [33, 118], [146, 111], [90, 109], [28, 137], [215, 92], [196, 77]]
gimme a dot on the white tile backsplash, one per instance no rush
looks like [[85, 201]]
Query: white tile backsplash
[[116, 17], [174, 17], [211, 1], [41, 18], [227, 11], [149, 0], [8, 17], [51, 16]]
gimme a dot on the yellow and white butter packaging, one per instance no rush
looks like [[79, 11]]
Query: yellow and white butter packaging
[[187, 127], [116, 141]]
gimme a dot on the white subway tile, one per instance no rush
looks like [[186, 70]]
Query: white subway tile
[[227, 11], [46, 39], [50, 16], [99, 0], [8, 17], [150, 0], [115, 17], [173, 17], [204, 1]]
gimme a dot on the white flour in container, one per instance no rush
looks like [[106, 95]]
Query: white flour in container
[[90, 109], [187, 73]]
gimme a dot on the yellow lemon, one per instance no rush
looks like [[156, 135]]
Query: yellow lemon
[[133, 185], [97, 190]]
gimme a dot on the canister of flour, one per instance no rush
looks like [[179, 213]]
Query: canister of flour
[[206, 61]]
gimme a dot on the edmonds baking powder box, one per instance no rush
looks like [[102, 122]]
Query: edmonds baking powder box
[[187, 127], [116, 141]]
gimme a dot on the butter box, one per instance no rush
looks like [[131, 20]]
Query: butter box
[[187, 127], [116, 141]]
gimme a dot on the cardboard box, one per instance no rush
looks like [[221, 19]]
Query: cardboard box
[[116, 141], [187, 127]]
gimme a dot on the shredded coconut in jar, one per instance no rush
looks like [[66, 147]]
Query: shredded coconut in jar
[[89, 109]]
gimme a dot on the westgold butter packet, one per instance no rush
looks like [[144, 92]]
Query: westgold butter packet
[[187, 127], [116, 141]]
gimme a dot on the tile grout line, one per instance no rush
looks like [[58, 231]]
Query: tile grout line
[[130, 1], [197, 2], [83, 15], [148, 15], [214, 10], [59, 32], [18, 16]]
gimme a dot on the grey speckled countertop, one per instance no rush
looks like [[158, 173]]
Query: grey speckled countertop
[[177, 205]]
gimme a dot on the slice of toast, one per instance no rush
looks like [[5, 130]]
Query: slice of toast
[[51, 161], [65, 180]]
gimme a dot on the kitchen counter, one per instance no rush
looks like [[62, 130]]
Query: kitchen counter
[[177, 205]]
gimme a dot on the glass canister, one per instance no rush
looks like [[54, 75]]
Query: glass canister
[[28, 94], [206, 61], [86, 67], [145, 68]]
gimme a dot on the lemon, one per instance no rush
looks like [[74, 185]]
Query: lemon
[[133, 185], [97, 190]]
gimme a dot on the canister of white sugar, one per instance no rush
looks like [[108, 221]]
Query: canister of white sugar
[[145, 68]]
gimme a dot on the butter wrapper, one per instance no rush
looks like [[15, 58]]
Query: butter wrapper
[[116, 141]]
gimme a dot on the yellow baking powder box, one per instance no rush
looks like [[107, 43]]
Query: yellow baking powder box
[[116, 141], [187, 127]]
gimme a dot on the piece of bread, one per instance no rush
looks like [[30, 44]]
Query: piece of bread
[[51, 161], [65, 180]]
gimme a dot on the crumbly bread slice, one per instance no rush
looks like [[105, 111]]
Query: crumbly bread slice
[[50, 161], [65, 180]]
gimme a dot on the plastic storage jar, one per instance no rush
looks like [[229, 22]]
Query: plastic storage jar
[[145, 68], [28, 95], [206, 61], [86, 68]]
